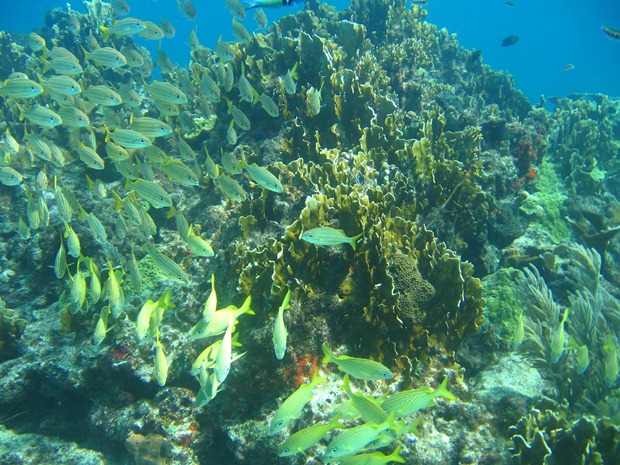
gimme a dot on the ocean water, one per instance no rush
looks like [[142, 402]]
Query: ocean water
[[552, 34], [417, 214]]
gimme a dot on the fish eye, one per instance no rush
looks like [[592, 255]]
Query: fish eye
[[279, 423], [285, 450], [384, 374], [334, 450], [199, 331]]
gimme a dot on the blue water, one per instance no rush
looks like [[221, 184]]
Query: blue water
[[552, 33]]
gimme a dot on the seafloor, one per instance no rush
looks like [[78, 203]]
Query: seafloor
[[488, 251]]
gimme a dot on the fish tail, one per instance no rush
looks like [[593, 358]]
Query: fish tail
[[442, 390], [329, 357], [354, 240], [395, 456], [335, 423], [294, 71], [316, 378], [106, 33], [346, 385]]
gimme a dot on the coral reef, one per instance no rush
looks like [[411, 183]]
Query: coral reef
[[383, 127]]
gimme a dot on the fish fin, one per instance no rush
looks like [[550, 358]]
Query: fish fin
[[106, 32], [442, 390], [354, 240]]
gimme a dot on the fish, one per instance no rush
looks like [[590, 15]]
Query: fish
[[405, 403], [219, 320], [305, 438], [122, 28], [106, 57], [133, 270], [327, 236], [246, 91], [96, 228], [149, 127], [269, 105], [611, 363], [583, 355], [210, 88], [361, 368], [224, 51], [168, 28], [166, 93], [90, 157], [23, 230], [60, 261], [164, 62], [212, 168], [62, 204], [230, 164], [181, 222], [510, 3], [231, 133], [61, 85], [128, 138], [20, 88], [557, 337], [187, 9], [263, 177], [231, 188], [133, 57], [370, 411], [160, 364], [293, 405], [611, 33], [73, 241], [101, 327], [154, 154], [290, 86], [353, 440], [10, 143], [144, 318], [40, 116], [211, 303], [270, 3], [186, 152], [261, 18], [103, 95], [239, 117], [113, 291], [77, 290], [224, 355], [38, 146], [151, 31], [10, 176], [35, 42], [115, 152], [510, 40], [568, 67], [198, 246], [519, 335], [166, 265], [313, 99], [388, 437], [73, 117], [239, 31], [279, 328], [236, 8], [120, 7], [95, 283], [179, 173], [152, 192], [194, 43], [375, 458], [63, 65]]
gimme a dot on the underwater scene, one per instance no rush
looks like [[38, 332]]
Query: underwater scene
[[304, 233]]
